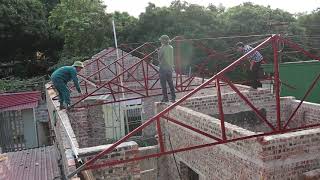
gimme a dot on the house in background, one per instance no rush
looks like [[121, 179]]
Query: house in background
[[23, 121]]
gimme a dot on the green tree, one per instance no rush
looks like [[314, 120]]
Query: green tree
[[24, 32], [50, 4], [85, 26], [23, 28], [311, 24], [125, 26]]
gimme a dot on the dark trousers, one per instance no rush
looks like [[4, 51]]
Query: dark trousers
[[166, 77], [254, 76]]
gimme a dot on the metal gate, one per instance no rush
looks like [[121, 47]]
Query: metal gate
[[11, 131]]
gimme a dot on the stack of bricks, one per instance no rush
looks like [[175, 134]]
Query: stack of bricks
[[126, 150], [277, 157]]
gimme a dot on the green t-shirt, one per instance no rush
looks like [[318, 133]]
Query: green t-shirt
[[165, 57]]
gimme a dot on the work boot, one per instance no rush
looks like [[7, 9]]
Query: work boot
[[68, 107], [62, 106], [173, 98]]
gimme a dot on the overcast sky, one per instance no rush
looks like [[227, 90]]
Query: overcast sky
[[135, 7]]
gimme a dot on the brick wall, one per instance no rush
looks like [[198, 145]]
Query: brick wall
[[149, 167], [60, 124], [125, 150], [233, 104], [41, 112], [278, 157], [88, 125], [308, 113]]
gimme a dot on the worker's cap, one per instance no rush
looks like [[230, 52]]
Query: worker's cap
[[164, 38], [78, 64]]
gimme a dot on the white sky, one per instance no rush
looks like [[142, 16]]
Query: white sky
[[135, 7]]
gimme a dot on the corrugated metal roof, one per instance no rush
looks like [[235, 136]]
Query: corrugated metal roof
[[32, 164], [17, 101]]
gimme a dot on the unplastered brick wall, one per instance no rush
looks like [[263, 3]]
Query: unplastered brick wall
[[277, 157], [126, 150], [62, 129], [307, 114], [41, 112], [219, 162], [88, 125], [149, 108], [232, 104]]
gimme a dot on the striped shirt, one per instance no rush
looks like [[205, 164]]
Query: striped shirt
[[255, 56]]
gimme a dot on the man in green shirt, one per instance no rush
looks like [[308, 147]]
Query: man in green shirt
[[60, 79], [165, 57]]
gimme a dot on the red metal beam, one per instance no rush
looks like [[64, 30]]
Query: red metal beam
[[191, 128], [249, 103], [116, 61], [298, 48], [145, 78], [302, 100], [160, 136], [112, 163], [163, 112], [127, 89], [125, 71], [113, 49]]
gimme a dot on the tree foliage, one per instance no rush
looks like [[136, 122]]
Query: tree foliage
[[26, 37], [71, 30], [85, 25], [24, 30]]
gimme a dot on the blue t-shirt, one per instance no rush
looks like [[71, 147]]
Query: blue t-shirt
[[66, 74], [255, 56]]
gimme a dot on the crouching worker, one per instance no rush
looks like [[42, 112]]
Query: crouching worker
[[60, 79], [165, 57], [255, 60]]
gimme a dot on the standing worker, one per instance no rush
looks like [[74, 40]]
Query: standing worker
[[60, 79], [255, 60], [165, 57]]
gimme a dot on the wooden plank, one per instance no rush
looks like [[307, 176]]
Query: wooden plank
[[88, 175]]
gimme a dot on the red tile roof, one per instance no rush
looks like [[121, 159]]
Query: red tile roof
[[17, 101], [33, 164]]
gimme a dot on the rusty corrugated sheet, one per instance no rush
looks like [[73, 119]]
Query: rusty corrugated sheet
[[17, 101], [33, 164]]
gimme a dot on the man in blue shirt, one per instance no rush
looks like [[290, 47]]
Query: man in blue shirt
[[60, 79], [255, 60]]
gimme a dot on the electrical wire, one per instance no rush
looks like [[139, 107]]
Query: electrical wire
[[205, 38], [174, 156]]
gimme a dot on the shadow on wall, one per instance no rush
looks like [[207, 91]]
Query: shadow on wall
[[245, 119]]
